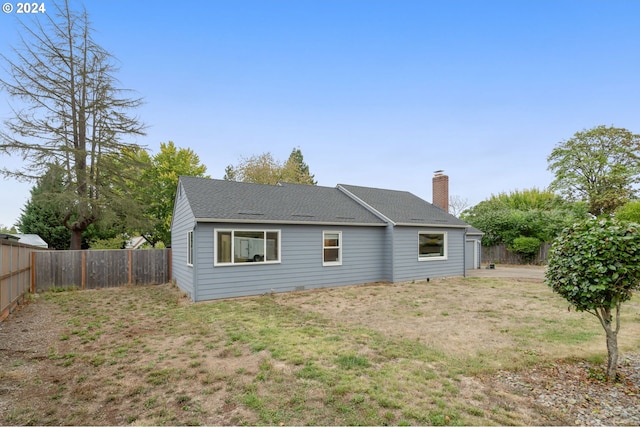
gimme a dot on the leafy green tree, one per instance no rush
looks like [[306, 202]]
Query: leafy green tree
[[528, 213], [630, 211], [265, 169], [8, 230], [71, 114], [117, 242], [260, 169], [159, 191], [126, 213], [529, 199], [599, 166], [595, 265]]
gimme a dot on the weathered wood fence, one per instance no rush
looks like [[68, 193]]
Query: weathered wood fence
[[25, 269], [500, 254], [15, 274], [100, 268]]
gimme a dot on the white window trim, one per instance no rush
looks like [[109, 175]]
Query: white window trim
[[252, 230], [190, 249], [332, 263], [445, 243]]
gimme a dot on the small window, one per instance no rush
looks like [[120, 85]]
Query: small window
[[247, 246], [190, 248], [332, 248], [432, 246]]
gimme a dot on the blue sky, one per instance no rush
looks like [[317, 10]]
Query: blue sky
[[378, 93]]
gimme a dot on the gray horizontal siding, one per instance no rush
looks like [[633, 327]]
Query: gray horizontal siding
[[301, 262], [182, 223], [405, 255]]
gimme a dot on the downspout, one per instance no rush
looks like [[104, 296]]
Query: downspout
[[195, 263], [464, 253], [389, 237]]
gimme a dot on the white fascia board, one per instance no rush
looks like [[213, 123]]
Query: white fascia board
[[283, 222], [409, 224], [366, 205]]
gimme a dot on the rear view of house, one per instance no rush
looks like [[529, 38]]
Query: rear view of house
[[234, 239]]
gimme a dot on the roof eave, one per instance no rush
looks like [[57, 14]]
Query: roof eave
[[285, 222], [416, 224]]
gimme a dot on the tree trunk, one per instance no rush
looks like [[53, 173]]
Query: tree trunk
[[77, 228], [612, 350], [76, 239], [612, 340]]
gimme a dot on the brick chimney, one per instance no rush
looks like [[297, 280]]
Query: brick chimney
[[440, 189]]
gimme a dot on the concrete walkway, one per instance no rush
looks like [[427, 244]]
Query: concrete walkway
[[512, 271]]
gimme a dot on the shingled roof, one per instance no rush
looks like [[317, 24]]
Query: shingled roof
[[403, 208], [214, 200]]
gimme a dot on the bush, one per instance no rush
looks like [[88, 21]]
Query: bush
[[528, 247], [595, 265]]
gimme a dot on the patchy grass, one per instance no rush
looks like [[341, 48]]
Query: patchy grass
[[401, 354]]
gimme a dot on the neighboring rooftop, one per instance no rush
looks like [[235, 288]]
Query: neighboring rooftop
[[27, 239]]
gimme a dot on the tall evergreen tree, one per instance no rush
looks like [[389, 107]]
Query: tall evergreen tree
[[296, 170], [41, 215], [71, 114]]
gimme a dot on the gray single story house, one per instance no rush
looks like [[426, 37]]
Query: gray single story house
[[232, 239]]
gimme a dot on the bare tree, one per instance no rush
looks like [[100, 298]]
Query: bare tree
[[457, 205], [70, 115]]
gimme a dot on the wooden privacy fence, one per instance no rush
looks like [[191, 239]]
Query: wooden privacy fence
[[15, 274], [500, 254], [25, 268], [95, 269]]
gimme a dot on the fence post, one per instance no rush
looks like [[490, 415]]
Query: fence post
[[33, 272], [169, 262], [83, 270], [130, 265], [11, 269]]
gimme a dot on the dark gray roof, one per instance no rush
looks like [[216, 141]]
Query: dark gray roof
[[404, 208], [220, 200], [217, 200], [473, 230]]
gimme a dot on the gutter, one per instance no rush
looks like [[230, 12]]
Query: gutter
[[414, 224], [284, 222]]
